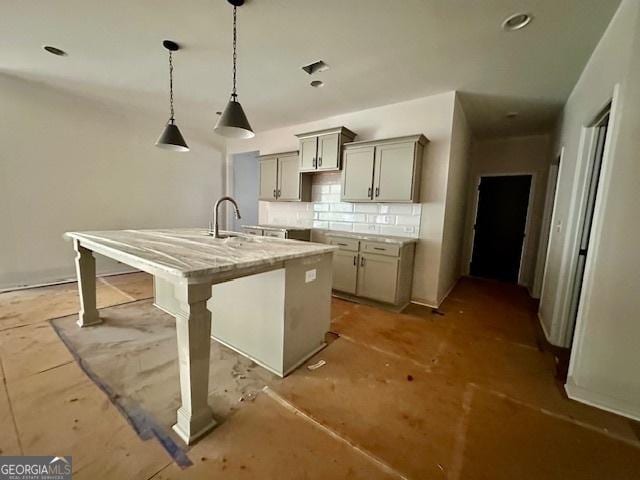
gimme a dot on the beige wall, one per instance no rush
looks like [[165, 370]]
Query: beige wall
[[511, 155], [67, 163], [432, 116], [606, 345], [456, 204]]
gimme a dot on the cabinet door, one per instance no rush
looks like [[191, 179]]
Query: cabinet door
[[288, 178], [357, 174], [345, 270], [393, 179], [268, 178], [308, 152], [378, 277], [329, 152]]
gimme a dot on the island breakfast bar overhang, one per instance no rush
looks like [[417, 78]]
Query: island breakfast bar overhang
[[192, 262]]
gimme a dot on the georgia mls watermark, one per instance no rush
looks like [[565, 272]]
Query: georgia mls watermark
[[35, 468]]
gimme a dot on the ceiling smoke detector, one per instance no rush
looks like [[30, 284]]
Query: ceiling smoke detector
[[55, 51], [516, 22], [315, 67]]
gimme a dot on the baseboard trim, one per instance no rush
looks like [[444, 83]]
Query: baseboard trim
[[544, 329], [604, 402], [66, 280], [423, 304]]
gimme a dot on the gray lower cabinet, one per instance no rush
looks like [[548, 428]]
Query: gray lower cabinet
[[345, 271], [280, 179], [383, 170], [378, 277], [375, 270]]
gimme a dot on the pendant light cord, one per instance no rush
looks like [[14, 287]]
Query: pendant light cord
[[171, 119], [233, 93]]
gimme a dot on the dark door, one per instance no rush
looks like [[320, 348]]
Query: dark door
[[500, 226]]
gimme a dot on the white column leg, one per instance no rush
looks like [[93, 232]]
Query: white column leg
[[86, 273], [193, 326]]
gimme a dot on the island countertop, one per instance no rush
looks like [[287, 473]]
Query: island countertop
[[191, 252]]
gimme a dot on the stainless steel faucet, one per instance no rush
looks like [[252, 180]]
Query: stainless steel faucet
[[214, 231]]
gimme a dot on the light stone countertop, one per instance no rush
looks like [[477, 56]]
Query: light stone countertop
[[372, 237], [280, 228], [193, 253]]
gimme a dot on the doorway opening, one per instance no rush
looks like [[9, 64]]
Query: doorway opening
[[244, 181], [599, 138], [500, 227]]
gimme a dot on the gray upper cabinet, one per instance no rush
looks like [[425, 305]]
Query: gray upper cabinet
[[280, 179], [268, 178], [308, 151], [383, 170], [321, 151], [357, 175], [289, 182]]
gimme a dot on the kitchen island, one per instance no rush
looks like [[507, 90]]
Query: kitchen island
[[289, 277]]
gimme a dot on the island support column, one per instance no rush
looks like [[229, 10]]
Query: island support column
[[86, 273], [193, 326]]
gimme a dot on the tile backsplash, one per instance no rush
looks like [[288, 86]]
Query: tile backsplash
[[326, 211]]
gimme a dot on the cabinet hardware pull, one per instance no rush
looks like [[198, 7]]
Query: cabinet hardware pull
[[355, 261], [362, 261], [279, 193], [275, 194], [379, 248], [342, 244], [377, 191], [319, 161], [369, 192], [315, 162]]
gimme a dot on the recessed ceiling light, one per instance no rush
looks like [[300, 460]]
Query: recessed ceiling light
[[317, 83], [512, 115], [516, 22], [55, 51]]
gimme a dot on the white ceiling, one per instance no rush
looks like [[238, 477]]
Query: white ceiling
[[380, 52]]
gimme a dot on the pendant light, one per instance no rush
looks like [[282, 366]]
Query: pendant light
[[233, 122], [171, 138]]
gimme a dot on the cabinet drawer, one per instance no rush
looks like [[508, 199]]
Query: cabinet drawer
[[253, 231], [381, 248], [350, 244], [275, 234]]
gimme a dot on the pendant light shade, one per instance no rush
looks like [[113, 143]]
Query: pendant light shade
[[233, 122], [171, 138]]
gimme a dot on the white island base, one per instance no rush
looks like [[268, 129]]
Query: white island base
[[277, 318]]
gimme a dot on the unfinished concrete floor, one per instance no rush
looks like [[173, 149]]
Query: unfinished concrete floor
[[464, 395]]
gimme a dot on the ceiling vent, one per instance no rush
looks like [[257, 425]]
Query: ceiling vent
[[315, 67]]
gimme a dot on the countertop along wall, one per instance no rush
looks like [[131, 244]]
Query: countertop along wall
[[68, 163], [606, 352], [432, 116]]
